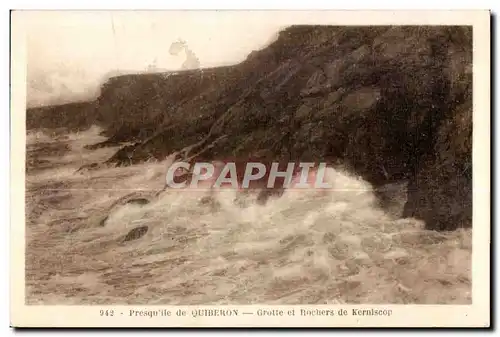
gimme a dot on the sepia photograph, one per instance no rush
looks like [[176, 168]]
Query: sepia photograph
[[197, 163]]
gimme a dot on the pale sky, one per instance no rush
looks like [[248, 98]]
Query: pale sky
[[69, 53]]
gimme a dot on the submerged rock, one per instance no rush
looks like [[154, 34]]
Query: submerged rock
[[135, 233]]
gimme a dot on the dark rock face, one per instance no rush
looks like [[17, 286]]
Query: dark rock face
[[391, 102], [67, 118], [441, 191]]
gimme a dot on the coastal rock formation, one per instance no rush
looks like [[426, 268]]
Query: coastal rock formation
[[71, 117], [393, 103]]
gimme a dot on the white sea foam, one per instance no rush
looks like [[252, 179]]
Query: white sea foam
[[305, 247]]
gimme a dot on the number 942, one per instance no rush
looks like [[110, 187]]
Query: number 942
[[106, 312]]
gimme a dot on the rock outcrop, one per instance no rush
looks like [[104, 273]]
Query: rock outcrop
[[62, 118]]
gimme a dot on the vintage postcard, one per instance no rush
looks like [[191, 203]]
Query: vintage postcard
[[250, 168]]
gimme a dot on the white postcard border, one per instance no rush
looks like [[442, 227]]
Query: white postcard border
[[477, 314]]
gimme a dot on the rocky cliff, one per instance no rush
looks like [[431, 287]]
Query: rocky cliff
[[65, 117], [393, 103]]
